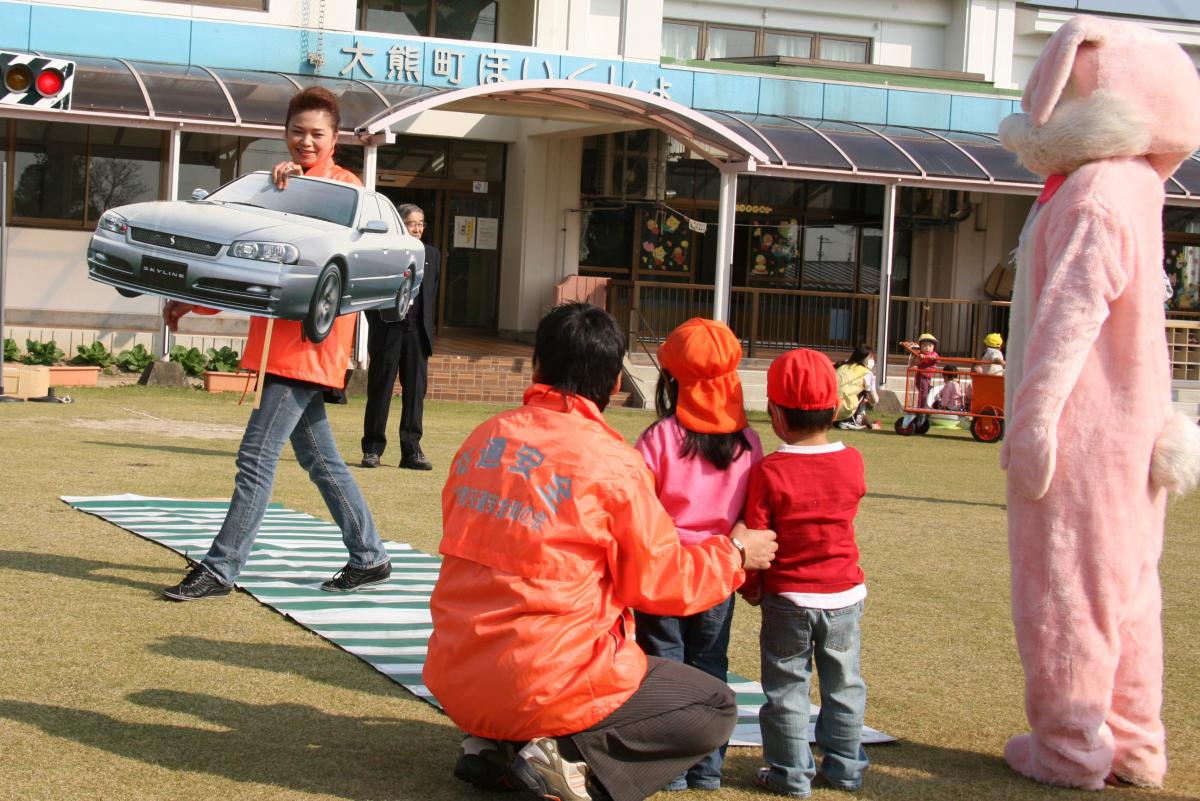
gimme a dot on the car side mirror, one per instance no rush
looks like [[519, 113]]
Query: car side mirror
[[199, 194], [375, 227]]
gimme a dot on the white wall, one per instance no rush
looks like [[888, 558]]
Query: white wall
[[47, 269], [540, 235], [980, 39], [339, 14]]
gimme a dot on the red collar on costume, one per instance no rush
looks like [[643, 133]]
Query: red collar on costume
[[1053, 182]]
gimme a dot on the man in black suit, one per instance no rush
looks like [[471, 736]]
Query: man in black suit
[[404, 348]]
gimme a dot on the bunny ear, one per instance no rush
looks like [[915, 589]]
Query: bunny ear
[[1053, 68]]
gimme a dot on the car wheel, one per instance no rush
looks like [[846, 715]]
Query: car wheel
[[404, 297], [127, 293], [323, 309]]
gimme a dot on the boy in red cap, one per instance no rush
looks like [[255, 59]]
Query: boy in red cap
[[812, 595], [700, 451]]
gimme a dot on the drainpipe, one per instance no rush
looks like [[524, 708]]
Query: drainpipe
[[883, 312], [725, 216]]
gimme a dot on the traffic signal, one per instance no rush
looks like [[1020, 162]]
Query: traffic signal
[[36, 81]]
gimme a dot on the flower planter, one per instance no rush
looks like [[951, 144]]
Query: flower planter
[[228, 382], [68, 376]]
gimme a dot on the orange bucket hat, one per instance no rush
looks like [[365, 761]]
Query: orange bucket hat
[[702, 356]]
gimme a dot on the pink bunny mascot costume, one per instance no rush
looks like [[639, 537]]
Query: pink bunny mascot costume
[[1092, 445]]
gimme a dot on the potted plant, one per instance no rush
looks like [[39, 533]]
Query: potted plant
[[84, 369], [221, 374]]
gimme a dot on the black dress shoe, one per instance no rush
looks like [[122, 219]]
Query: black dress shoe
[[370, 460], [416, 461]]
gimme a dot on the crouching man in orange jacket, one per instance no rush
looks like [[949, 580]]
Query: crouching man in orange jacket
[[551, 533]]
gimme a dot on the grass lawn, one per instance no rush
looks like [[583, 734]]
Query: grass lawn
[[108, 692]]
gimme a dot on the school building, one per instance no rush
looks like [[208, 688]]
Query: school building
[[816, 174]]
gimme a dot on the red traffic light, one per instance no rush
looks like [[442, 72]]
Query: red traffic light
[[49, 82]]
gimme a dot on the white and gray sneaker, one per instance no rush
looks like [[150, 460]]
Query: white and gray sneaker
[[543, 772]]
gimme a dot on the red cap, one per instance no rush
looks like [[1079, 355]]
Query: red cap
[[802, 379], [702, 356]]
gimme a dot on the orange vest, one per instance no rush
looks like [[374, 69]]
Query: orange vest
[[291, 355], [551, 533]]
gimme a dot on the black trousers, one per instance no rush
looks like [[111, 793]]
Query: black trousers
[[394, 349], [677, 716]]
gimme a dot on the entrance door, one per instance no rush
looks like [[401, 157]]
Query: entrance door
[[470, 261]]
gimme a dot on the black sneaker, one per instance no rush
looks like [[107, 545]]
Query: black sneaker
[[541, 771], [350, 578], [370, 460], [416, 461], [198, 585], [484, 763]]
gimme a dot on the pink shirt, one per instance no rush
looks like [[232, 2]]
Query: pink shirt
[[701, 499]]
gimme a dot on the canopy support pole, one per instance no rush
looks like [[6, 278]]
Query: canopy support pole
[[883, 312], [725, 218], [370, 167]]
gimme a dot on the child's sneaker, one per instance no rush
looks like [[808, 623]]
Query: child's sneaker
[[541, 770]]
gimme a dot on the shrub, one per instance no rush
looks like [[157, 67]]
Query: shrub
[[45, 353], [135, 360], [10, 350], [191, 359], [224, 360], [95, 355]]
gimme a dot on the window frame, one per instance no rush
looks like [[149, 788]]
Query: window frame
[[59, 223], [242, 5], [431, 10], [760, 39]]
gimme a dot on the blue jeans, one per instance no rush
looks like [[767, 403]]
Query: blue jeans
[[702, 641], [790, 639], [296, 412]]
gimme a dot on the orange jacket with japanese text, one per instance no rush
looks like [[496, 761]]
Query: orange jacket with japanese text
[[551, 533], [290, 354]]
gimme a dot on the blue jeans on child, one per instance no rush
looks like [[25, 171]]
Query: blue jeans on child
[[791, 639], [295, 411], [702, 641]]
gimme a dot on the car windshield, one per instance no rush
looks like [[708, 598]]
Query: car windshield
[[329, 202]]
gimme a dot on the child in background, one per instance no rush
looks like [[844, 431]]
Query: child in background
[[951, 396], [992, 355], [812, 595], [925, 360], [700, 451], [856, 388]]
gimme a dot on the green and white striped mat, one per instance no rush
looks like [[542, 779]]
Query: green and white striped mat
[[387, 627]]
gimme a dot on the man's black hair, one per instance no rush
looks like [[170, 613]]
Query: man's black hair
[[806, 421], [578, 350]]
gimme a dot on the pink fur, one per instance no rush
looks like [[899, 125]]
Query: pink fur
[[1089, 395]]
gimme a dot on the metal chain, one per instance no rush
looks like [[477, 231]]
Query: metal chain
[[314, 57]]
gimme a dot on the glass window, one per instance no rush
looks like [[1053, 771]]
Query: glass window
[[786, 44], [50, 162], [843, 50], [829, 254], [680, 40], [206, 161], [476, 161], [124, 166], [309, 198], [730, 43], [263, 154], [606, 238], [415, 155], [405, 17], [465, 19]]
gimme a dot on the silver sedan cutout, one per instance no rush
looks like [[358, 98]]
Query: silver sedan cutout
[[311, 252]]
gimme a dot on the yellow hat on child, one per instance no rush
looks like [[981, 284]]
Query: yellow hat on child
[[994, 341]]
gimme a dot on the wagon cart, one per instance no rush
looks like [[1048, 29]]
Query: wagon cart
[[982, 397]]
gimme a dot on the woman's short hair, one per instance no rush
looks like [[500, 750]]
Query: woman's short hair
[[578, 350], [315, 98]]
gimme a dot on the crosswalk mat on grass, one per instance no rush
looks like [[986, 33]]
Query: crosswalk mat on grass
[[387, 627]]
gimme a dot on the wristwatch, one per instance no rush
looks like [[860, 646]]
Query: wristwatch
[[741, 548]]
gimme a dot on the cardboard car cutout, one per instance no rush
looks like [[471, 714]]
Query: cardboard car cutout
[[310, 252]]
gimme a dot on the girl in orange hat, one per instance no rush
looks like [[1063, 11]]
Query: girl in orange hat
[[700, 450]]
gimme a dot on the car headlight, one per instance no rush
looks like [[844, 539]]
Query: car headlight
[[266, 251], [111, 221]]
